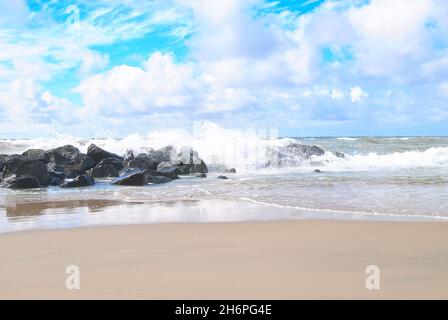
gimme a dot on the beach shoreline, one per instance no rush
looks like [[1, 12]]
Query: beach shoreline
[[304, 259]]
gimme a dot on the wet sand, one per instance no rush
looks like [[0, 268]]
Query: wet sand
[[264, 260]]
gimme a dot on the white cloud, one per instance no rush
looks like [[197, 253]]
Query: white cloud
[[357, 94], [337, 94], [391, 36], [124, 90], [237, 61]]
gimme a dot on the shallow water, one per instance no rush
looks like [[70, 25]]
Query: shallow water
[[402, 178]]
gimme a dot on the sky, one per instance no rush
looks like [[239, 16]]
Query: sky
[[111, 68]]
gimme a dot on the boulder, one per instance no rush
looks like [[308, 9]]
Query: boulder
[[79, 182], [339, 154], [291, 155], [69, 160], [162, 155], [201, 175], [304, 151], [3, 158], [223, 178], [34, 153], [21, 182], [59, 175], [63, 155], [57, 179], [118, 164], [98, 154], [55, 182], [24, 166], [170, 172], [105, 171], [129, 155], [144, 162], [81, 164], [136, 178], [127, 171], [187, 162], [158, 179]]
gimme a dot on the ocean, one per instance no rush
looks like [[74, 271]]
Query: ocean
[[398, 178]]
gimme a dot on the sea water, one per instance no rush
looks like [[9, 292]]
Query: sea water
[[383, 177]]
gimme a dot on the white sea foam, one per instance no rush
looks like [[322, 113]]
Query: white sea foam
[[347, 139], [430, 158], [242, 149]]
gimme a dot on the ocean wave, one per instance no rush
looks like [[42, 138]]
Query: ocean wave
[[324, 213], [430, 158], [347, 139], [245, 150]]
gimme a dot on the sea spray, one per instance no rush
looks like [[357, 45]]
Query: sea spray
[[247, 150]]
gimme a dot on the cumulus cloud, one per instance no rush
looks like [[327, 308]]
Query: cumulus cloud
[[358, 61], [160, 84], [357, 94]]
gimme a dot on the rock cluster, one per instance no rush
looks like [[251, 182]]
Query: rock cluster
[[67, 167]]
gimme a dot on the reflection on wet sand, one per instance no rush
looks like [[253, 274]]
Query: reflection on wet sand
[[18, 210], [100, 212], [83, 213]]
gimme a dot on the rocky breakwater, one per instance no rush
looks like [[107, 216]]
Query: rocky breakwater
[[67, 167]]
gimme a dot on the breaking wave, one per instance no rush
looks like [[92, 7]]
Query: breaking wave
[[244, 149]]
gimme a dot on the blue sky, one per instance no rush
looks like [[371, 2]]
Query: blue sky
[[304, 67]]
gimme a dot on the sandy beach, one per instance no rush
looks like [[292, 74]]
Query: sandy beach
[[268, 260]]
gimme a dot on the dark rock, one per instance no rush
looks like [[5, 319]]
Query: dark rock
[[98, 154], [105, 171], [190, 162], [80, 164], [339, 154], [69, 160], [56, 182], [233, 170], [163, 155], [63, 155], [118, 164], [3, 158], [56, 168], [317, 171], [34, 153], [187, 162], [79, 182], [199, 168], [165, 165], [58, 175], [127, 171], [305, 151], [170, 172], [131, 179], [21, 182], [144, 162], [291, 155], [129, 155], [201, 175], [223, 178], [158, 179], [24, 166]]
